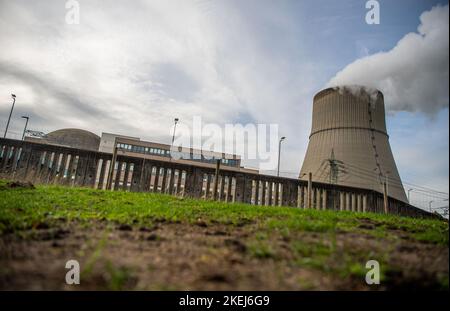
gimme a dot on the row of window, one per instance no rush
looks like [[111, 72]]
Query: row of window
[[166, 153], [141, 149]]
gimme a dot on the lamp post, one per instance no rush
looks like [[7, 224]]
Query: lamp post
[[25, 128], [279, 154], [10, 113], [174, 129], [409, 190], [429, 205]]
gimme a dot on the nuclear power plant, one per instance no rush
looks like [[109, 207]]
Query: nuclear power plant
[[349, 143]]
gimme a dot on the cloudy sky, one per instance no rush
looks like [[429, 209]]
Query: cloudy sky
[[130, 67]]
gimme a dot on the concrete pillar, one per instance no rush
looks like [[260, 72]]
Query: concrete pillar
[[23, 163], [207, 183], [300, 197], [263, 192], [248, 183], [257, 192], [15, 160], [324, 199], [318, 204], [364, 203], [5, 158], [228, 196], [276, 193], [293, 196], [156, 179], [81, 169], [360, 209], [269, 193], [163, 180], [347, 202], [240, 187], [91, 170], [193, 183], [353, 202], [146, 177], [54, 168], [62, 169], [179, 180], [74, 159], [118, 175], [44, 168], [125, 176], [136, 178], [286, 194], [171, 181]]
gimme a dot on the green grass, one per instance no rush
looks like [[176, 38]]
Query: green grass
[[303, 238], [22, 208]]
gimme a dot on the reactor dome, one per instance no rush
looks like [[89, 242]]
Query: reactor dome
[[74, 138], [349, 143]]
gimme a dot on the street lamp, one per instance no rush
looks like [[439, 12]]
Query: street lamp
[[25, 128], [10, 113], [174, 129], [279, 154], [429, 205], [409, 190]]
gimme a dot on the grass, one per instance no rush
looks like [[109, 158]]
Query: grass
[[23, 208], [300, 237]]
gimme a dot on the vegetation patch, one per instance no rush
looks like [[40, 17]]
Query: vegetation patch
[[127, 240]]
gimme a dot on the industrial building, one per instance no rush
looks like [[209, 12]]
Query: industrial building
[[134, 146], [349, 143], [71, 137]]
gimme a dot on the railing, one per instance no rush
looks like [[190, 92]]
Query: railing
[[50, 164]]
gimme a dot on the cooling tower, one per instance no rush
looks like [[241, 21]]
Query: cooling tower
[[349, 144]]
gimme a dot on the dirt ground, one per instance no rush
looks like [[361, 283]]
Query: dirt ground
[[177, 256]]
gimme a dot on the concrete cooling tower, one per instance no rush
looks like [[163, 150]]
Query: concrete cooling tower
[[349, 144]]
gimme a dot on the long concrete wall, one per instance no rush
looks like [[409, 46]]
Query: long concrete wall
[[49, 164]]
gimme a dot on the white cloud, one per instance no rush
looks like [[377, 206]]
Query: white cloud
[[414, 75], [132, 68]]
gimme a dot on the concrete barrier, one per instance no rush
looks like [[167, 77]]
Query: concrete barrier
[[50, 164]]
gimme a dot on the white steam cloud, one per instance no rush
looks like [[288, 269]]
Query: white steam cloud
[[413, 75]]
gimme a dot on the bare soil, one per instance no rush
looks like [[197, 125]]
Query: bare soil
[[179, 256]]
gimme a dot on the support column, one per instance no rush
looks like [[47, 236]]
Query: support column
[[347, 202], [263, 192], [125, 176], [179, 179], [324, 199], [276, 194], [364, 203], [257, 192], [171, 181], [136, 179], [293, 196], [309, 202], [269, 193], [240, 187], [194, 183], [353, 202], [301, 197], [228, 196]]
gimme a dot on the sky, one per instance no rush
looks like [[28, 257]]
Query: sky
[[132, 67]]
